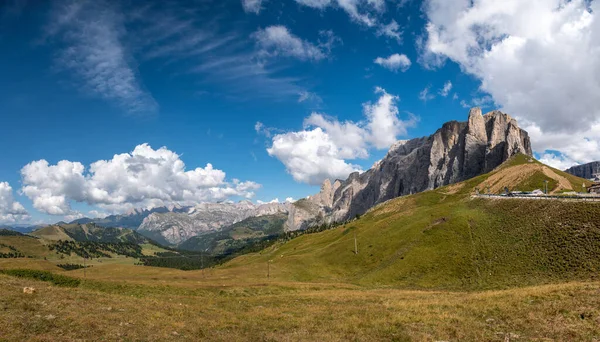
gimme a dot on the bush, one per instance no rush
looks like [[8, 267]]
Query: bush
[[56, 279], [71, 267]]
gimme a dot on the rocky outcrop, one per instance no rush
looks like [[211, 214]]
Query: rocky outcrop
[[457, 151], [587, 171], [176, 227]]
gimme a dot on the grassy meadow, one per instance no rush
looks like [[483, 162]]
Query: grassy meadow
[[436, 266]]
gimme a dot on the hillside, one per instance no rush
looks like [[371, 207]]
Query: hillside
[[444, 238], [237, 236], [89, 232]]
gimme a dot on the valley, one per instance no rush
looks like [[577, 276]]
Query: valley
[[436, 265]]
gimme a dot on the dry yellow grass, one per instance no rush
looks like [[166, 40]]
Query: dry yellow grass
[[294, 312]]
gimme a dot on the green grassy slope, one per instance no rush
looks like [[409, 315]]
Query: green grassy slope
[[446, 239]]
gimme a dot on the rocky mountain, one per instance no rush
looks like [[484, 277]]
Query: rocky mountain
[[587, 171], [89, 232], [175, 227], [456, 152], [22, 228], [132, 219], [235, 238]]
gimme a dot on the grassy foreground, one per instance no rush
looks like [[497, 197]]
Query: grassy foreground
[[434, 266], [294, 312]]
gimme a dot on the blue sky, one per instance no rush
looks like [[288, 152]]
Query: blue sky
[[82, 82]]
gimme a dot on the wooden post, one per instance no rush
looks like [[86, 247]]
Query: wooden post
[[84, 276], [355, 244]]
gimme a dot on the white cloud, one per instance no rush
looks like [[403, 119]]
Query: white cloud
[[384, 124], [92, 35], [275, 200], [310, 98], [364, 12], [252, 6], [10, 210], [348, 137], [391, 30], [142, 178], [542, 71], [426, 95], [315, 3], [557, 161], [394, 62], [322, 149], [97, 214], [446, 89], [310, 156], [278, 41]]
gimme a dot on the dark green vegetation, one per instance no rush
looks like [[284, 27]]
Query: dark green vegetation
[[8, 232], [182, 260], [56, 279], [446, 239], [8, 251], [71, 267], [90, 232], [91, 249]]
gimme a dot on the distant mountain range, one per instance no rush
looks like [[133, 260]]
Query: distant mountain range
[[132, 219], [89, 232], [22, 228], [455, 152], [237, 236]]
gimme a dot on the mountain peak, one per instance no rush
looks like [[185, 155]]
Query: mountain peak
[[455, 152]]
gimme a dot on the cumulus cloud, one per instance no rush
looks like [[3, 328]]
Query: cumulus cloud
[[10, 210], [279, 41], [557, 161], [324, 147], [92, 35], [543, 72], [252, 6], [394, 62], [143, 178], [310, 156], [446, 89]]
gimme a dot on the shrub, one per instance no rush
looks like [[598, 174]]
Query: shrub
[[56, 279]]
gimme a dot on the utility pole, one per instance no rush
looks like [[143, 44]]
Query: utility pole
[[84, 267], [355, 244], [269, 269], [202, 262]]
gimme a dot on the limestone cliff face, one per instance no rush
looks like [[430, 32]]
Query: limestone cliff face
[[457, 151], [587, 171]]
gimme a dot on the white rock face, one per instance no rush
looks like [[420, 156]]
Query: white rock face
[[457, 151], [176, 227]]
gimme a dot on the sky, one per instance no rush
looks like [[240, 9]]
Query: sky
[[107, 106]]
